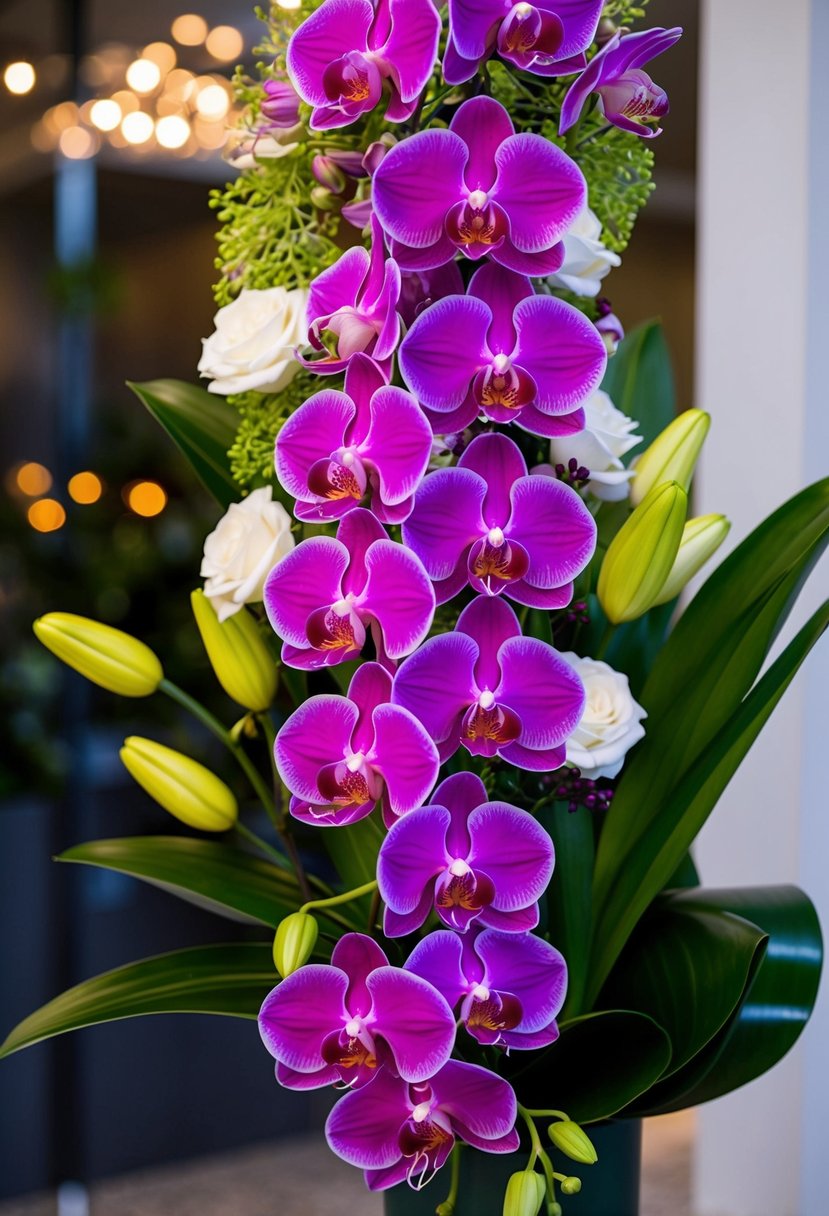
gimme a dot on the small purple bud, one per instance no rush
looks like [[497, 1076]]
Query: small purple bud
[[351, 163], [375, 153], [280, 105], [328, 174], [609, 325]]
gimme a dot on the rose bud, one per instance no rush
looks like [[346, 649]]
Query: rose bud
[[106, 656]]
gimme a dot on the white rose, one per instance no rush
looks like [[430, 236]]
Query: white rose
[[610, 724], [586, 261], [253, 346], [607, 436], [242, 550]]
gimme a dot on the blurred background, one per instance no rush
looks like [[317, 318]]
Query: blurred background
[[113, 117]]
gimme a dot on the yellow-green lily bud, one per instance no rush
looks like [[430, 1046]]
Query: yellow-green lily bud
[[672, 456], [571, 1186], [106, 656], [571, 1140], [642, 553], [242, 662], [182, 786], [524, 1194], [296, 937], [701, 538]]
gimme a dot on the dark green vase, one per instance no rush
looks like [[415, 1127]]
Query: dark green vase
[[609, 1188]]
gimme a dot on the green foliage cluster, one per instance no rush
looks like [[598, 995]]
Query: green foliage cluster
[[261, 415]]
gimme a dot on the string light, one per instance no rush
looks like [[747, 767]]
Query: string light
[[145, 498], [143, 75], [137, 127], [212, 102], [77, 143], [19, 78], [85, 487], [189, 29], [46, 515], [162, 55], [224, 42], [33, 479], [172, 131]]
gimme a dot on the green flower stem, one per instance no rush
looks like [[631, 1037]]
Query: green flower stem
[[606, 639], [344, 898], [538, 1151], [447, 1208], [548, 1114], [262, 845]]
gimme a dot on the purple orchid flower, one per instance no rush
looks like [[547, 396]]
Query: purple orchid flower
[[480, 188], [504, 352], [420, 288], [371, 441], [628, 96], [339, 756], [324, 595], [488, 523], [340, 57], [398, 1132], [470, 859], [353, 303], [348, 1021], [510, 988], [492, 690], [548, 39]]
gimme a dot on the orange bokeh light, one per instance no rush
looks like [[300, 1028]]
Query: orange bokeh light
[[145, 498], [85, 487], [33, 479], [46, 515]]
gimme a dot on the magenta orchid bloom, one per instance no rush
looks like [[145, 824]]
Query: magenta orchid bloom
[[345, 1022], [510, 988], [478, 188], [628, 96], [492, 690], [352, 308], [488, 523], [325, 594], [472, 860], [398, 1132], [338, 449], [341, 55], [548, 39], [339, 756], [506, 353]]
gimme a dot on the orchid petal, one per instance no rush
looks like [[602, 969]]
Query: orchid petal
[[446, 519], [548, 598], [545, 262], [483, 124], [386, 307], [358, 955], [297, 1015], [501, 291], [412, 46], [430, 257], [291, 1079], [457, 69], [316, 734], [555, 527], [416, 184], [307, 578], [399, 595], [406, 757], [499, 462], [542, 689], [437, 959], [476, 1099], [364, 1126], [310, 434], [357, 532], [522, 920], [337, 27], [415, 1021], [339, 285], [550, 425], [515, 851], [436, 682], [399, 443], [444, 349], [541, 188], [472, 22], [397, 924], [461, 793], [446, 588], [529, 968], [491, 623], [561, 349], [370, 686], [412, 854]]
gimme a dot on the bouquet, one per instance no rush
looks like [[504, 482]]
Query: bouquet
[[482, 732]]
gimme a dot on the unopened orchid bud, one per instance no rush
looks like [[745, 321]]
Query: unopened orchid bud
[[328, 174], [571, 1140], [106, 656], [242, 662], [185, 788], [351, 163], [323, 199], [642, 553], [672, 456], [280, 105], [295, 939], [524, 1194], [554, 1209], [571, 1186], [376, 152], [701, 538], [609, 326]]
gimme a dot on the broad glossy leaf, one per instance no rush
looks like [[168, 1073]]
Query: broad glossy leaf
[[201, 424], [688, 966], [569, 909], [230, 979], [777, 1006], [354, 850], [640, 382], [600, 1064], [679, 818], [234, 883]]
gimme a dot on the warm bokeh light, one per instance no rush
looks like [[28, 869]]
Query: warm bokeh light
[[46, 515], [126, 101], [224, 42], [105, 114], [143, 75], [162, 55], [145, 498], [43, 140], [137, 127], [213, 102], [33, 479], [61, 116], [85, 487], [172, 131], [189, 29], [289, 4], [77, 143], [179, 84], [19, 78], [210, 135]]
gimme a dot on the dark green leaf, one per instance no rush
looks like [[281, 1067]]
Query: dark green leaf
[[600, 1064], [202, 425], [679, 818], [354, 850], [688, 966], [216, 876], [640, 382], [778, 1004], [226, 979], [569, 907]]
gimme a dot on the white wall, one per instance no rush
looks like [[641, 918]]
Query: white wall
[[762, 371]]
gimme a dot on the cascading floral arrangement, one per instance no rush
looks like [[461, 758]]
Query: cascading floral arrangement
[[425, 211]]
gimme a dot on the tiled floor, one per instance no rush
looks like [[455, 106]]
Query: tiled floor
[[301, 1178]]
